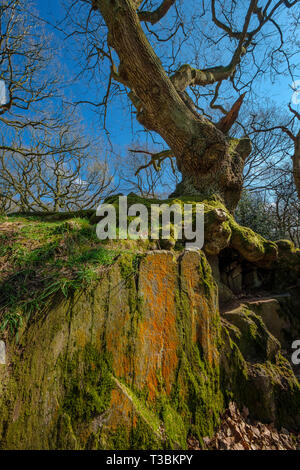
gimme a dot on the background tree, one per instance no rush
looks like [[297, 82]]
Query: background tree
[[269, 204], [45, 162], [29, 74], [288, 138], [54, 173], [287, 207], [7, 194], [148, 173], [276, 217]]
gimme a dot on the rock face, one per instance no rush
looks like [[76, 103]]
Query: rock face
[[141, 358], [271, 312], [255, 372], [131, 363]]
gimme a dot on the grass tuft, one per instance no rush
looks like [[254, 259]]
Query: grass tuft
[[39, 258]]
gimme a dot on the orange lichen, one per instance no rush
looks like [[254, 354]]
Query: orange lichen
[[157, 341], [201, 303]]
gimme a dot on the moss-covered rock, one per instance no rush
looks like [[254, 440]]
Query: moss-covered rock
[[287, 266], [130, 362], [233, 367], [255, 342], [274, 316], [273, 394], [137, 357], [254, 372], [221, 229], [251, 246]]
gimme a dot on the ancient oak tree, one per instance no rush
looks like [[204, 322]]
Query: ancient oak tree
[[210, 160]]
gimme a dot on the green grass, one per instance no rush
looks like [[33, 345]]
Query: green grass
[[40, 258]]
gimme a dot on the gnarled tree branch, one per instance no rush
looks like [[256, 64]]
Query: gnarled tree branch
[[189, 76], [226, 123], [155, 16]]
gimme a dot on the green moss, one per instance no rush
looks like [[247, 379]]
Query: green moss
[[288, 396], [142, 438], [206, 276], [174, 428], [232, 143], [129, 266], [196, 393], [196, 402], [117, 440], [47, 216], [137, 397], [43, 258], [275, 393], [251, 335], [202, 384], [252, 246], [142, 433], [287, 267], [138, 437], [66, 438], [209, 210], [129, 269], [234, 373], [88, 385], [286, 245], [265, 384]]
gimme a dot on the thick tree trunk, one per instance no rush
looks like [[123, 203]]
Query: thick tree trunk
[[210, 163], [216, 171]]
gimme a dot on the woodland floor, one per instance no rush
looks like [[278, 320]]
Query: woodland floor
[[238, 432]]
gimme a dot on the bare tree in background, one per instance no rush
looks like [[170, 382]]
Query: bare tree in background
[[28, 78], [288, 135], [287, 207], [7, 193], [45, 163], [295, 137], [273, 213], [133, 37], [59, 173], [270, 205], [146, 177]]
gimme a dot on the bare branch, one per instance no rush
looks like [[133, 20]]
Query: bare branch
[[156, 159], [226, 123], [155, 16]]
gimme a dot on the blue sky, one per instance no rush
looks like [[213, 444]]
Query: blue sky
[[119, 122]]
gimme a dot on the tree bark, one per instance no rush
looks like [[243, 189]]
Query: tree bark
[[209, 161]]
